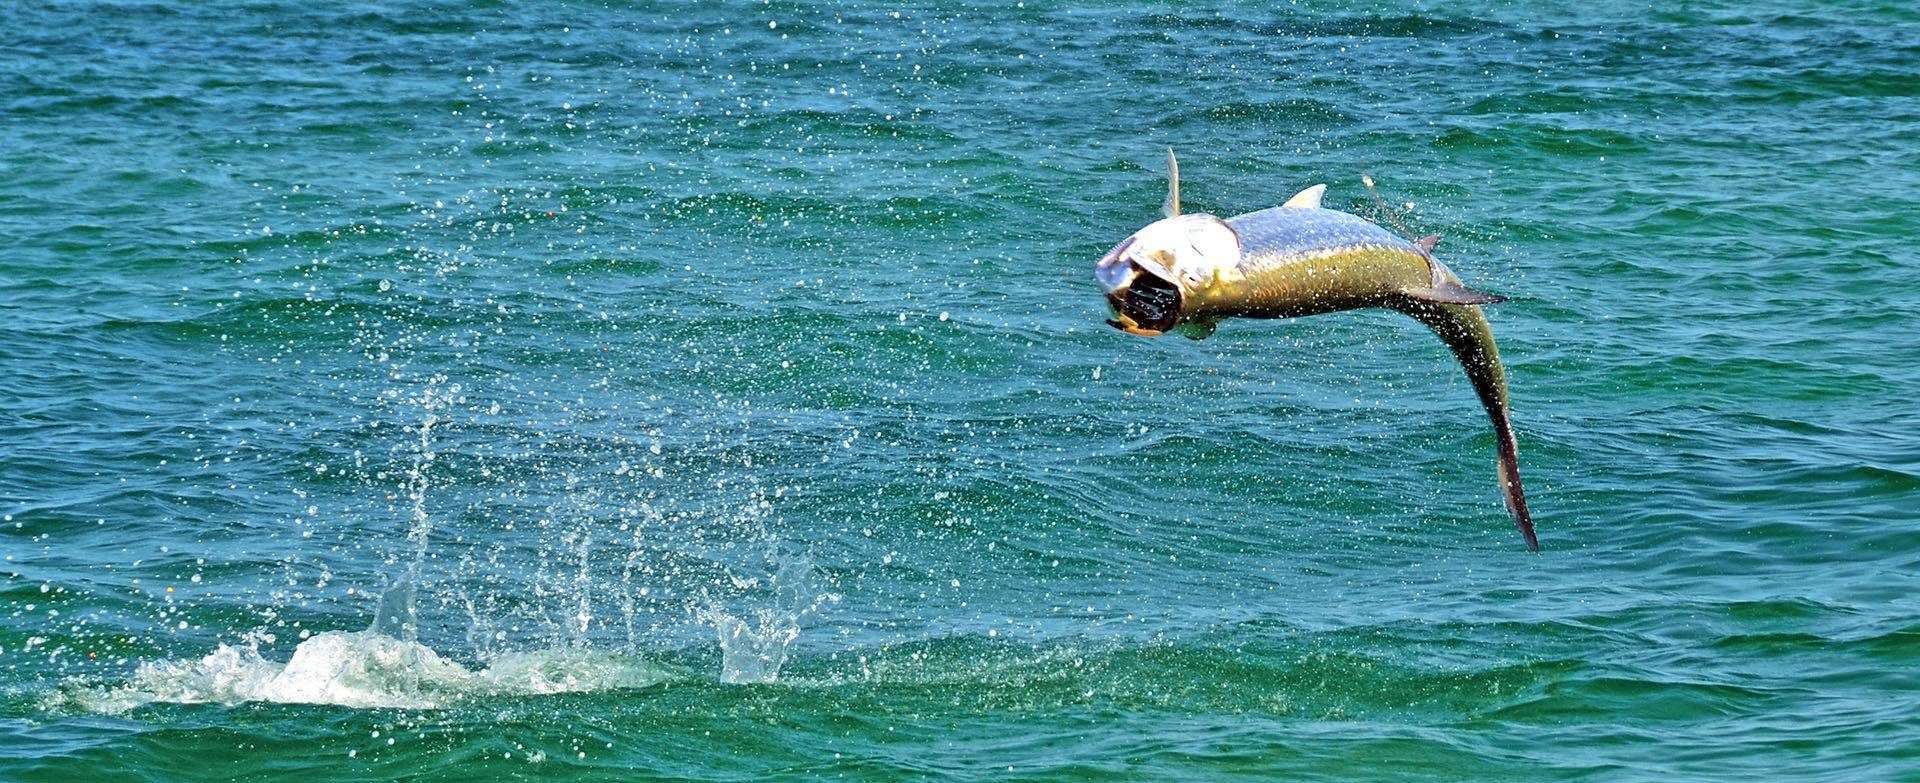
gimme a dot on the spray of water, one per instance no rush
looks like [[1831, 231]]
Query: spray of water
[[398, 614], [530, 517], [754, 641]]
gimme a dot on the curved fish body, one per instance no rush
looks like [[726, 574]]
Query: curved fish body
[[1188, 272]]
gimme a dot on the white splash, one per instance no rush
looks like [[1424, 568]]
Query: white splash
[[754, 642], [361, 669], [754, 651]]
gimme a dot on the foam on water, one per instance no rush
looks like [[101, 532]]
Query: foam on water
[[386, 666], [361, 669]]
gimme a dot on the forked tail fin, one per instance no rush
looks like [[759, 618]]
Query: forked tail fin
[[1465, 330]]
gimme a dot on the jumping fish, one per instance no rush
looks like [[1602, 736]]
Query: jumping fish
[[1185, 273]]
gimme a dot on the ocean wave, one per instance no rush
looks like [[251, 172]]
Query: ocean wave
[[1365, 25], [849, 124], [1294, 112], [1556, 140]]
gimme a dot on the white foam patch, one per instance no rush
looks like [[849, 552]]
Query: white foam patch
[[362, 669]]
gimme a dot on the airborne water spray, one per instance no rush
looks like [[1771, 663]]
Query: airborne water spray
[[398, 613]]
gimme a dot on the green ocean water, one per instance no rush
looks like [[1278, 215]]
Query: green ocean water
[[603, 391]]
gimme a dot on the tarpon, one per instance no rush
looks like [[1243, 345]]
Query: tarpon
[[1185, 273]]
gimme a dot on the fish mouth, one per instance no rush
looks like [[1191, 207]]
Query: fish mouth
[[1148, 305], [1144, 298]]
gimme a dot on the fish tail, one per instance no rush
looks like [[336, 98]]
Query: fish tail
[[1466, 332]]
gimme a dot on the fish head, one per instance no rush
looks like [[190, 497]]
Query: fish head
[[1154, 278]]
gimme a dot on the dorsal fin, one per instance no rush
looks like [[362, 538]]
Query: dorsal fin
[[1427, 243], [1172, 207], [1307, 199]]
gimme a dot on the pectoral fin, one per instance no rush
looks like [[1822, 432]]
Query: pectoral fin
[[1197, 330]]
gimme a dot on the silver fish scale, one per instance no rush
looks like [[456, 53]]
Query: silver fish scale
[[1283, 235]]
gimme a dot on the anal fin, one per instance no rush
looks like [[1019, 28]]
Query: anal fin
[[1447, 288], [1455, 293]]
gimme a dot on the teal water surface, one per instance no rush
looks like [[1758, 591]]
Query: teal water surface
[[582, 391]]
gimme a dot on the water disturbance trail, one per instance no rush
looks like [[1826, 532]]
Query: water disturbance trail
[[460, 391]]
